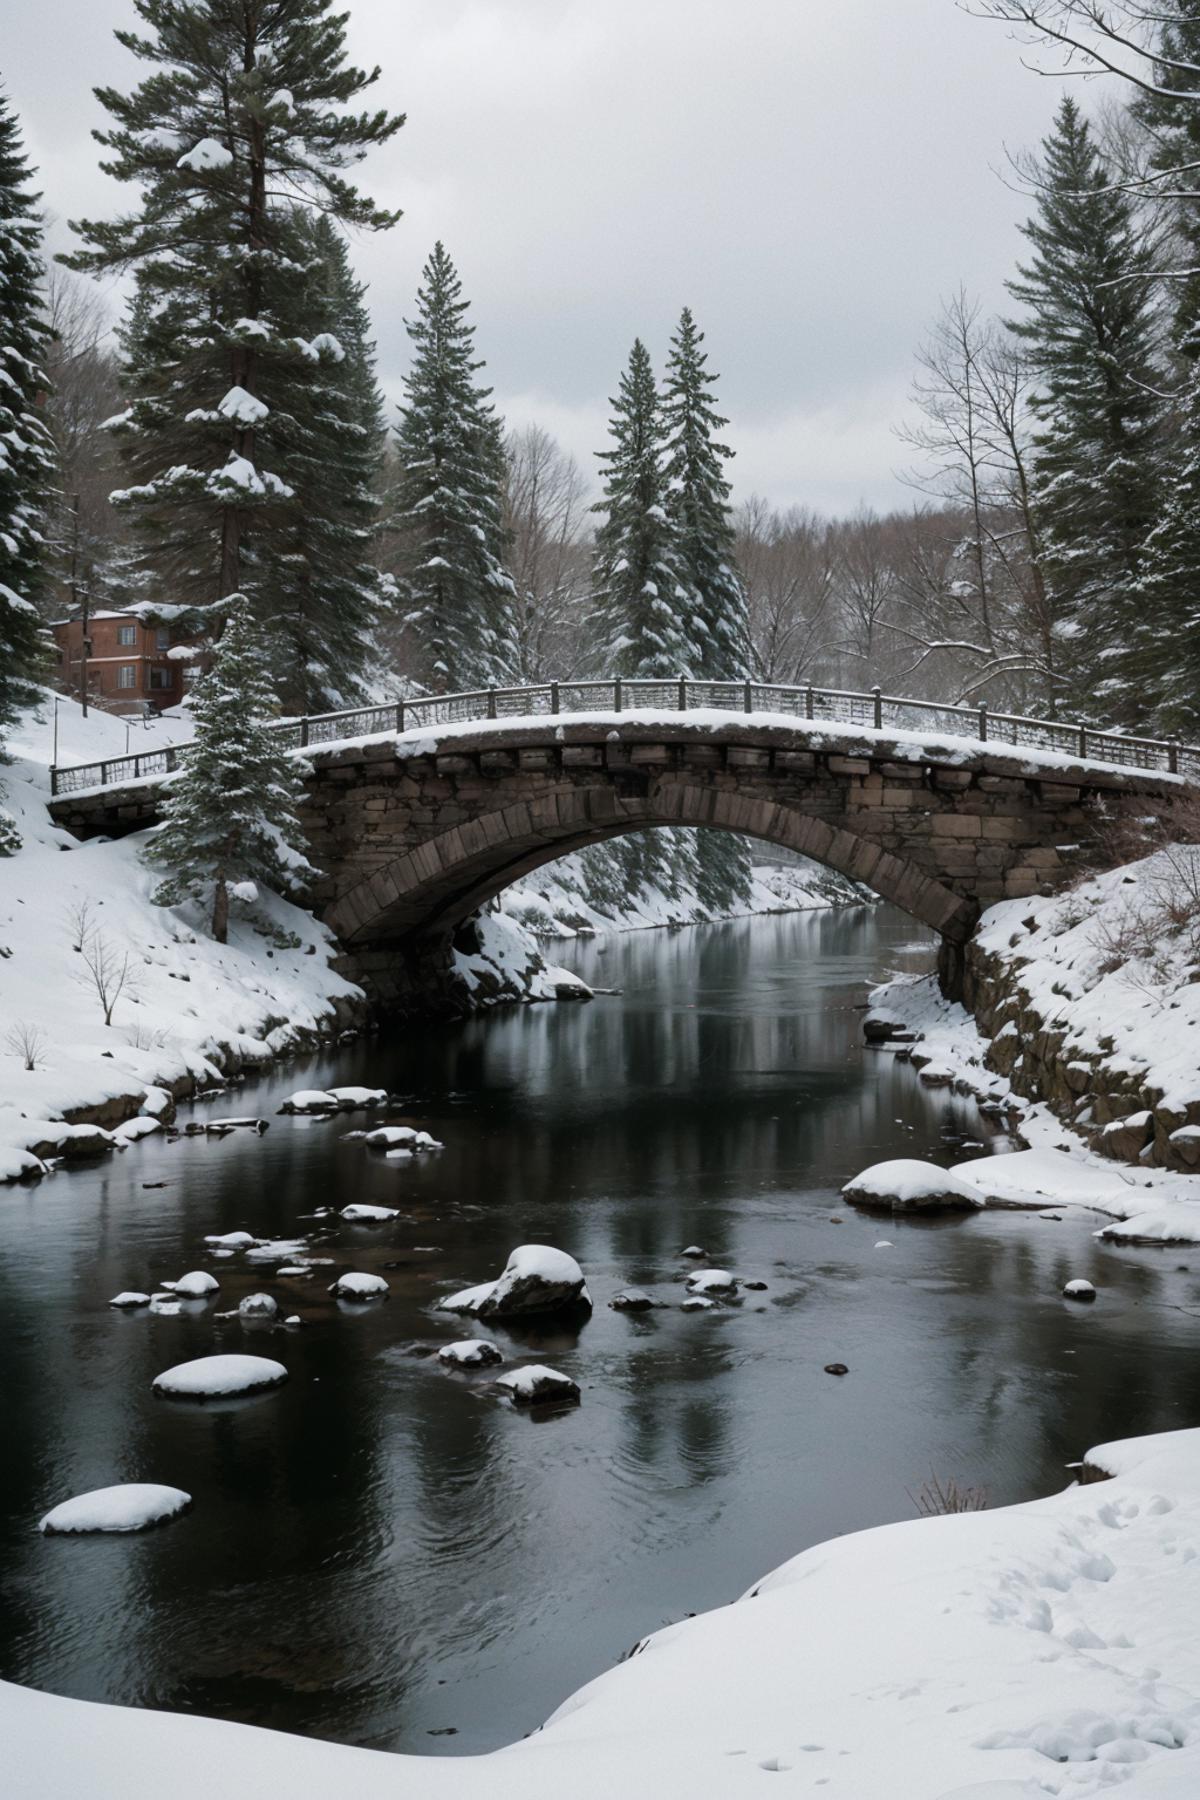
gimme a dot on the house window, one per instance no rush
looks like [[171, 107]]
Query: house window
[[162, 678], [162, 639], [127, 634], [127, 675]]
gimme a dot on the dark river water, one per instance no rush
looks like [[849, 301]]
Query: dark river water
[[384, 1552]]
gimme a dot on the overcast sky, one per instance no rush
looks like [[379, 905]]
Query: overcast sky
[[810, 176]]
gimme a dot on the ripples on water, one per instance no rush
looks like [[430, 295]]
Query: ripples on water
[[381, 1551]]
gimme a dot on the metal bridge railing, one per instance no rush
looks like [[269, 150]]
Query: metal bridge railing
[[874, 710]]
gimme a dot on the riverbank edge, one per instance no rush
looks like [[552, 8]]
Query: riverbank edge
[[1034, 1624]]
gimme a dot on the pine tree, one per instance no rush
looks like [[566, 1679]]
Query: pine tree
[[26, 451], [229, 819], [641, 603], [321, 590], [1169, 111], [1164, 648], [716, 620], [1090, 337], [244, 118], [457, 596]]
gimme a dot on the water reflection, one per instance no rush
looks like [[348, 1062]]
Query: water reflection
[[380, 1551]]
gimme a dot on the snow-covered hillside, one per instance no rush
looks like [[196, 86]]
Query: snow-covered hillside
[[1044, 1649], [75, 918]]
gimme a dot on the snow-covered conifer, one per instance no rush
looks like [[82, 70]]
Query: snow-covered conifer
[[245, 116], [229, 818], [1089, 333], [456, 594], [716, 617], [641, 603], [26, 451], [1162, 655]]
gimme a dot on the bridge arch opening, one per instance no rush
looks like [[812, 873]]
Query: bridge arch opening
[[429, 890]]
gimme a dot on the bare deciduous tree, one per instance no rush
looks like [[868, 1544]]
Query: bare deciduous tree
[[108, 971], [28, 1041], [546, 506], [786, 563]]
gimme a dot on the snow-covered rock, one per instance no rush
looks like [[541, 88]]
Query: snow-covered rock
[[213, 1377], [470, 1353], [358, 1099], [130, 1506], [275, 1250], [712, 1281], [309, 1100], [400, 1137], [232, 1240], [695, 1252], [197, 1284], [908, 1185], [1079, 1289], [632, 1300], [360, 1212], [130, 1297], [257, 1306], [536, 1279], [535, 1384], [698, 1303], [353, 1286]]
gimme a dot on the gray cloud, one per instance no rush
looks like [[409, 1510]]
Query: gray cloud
[[810, 176]]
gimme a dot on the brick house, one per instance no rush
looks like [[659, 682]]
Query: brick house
[[131, 667]]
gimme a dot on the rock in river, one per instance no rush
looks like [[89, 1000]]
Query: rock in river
[[215, 1377], [470, 1353], [535, 1384], [536, 1279], [131, 1506], [911, 1186]]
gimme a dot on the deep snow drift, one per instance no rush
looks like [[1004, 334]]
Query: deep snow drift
[[1049, 1647]]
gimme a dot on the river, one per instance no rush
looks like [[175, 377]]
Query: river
[[384, 1553]]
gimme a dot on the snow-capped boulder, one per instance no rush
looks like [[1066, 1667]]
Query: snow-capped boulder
[[357, 1099], [631, 1300], [129, 1298], [232, 1240], [165, 1306], [698, 1303], [712, 1281], [911, 1186], [257, 1306], [535, 1384], [470, 1353], [353, 1286], [1125, 1139], [400, 1137], [359, 1212], [694, 1251], [215, 1377], [536, 1279], [309, 1100], [197, 1284], [130, 1506], [276, 1250], [1079, 1289]]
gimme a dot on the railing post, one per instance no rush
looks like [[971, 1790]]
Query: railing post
[[877, 696], [1083, 740], [683, 693], [1173, 759], [304, 732], [618, 698], [983, 722], [137, 768], [491, 703], [399, 716], [103, 774], [808, 701], [748, 697], [554, 696], [53, 780]]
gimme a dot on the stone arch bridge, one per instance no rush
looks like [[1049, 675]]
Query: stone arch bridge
[[415, 830]]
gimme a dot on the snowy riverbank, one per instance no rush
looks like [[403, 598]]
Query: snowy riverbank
[[1042, 1649]]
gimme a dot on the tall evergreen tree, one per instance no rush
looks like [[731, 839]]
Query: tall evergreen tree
[[717, 624], [26, 450], [229, 819], [457, 596], [1169, 111], [642, 606], [1090, 334], [698, 505], [1163, 658], [321, 590], [245, 117]]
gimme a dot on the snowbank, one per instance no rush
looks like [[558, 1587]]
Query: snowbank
[[496, 961], [1049, 1647], [190, 1012]]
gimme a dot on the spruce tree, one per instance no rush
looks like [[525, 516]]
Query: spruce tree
[[1169, 111], [641, 604], [245, 117], [1163, 658], [716, 620], [229, 818], [321, 590], [26, 450], [1090, 338], [456, 594]]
